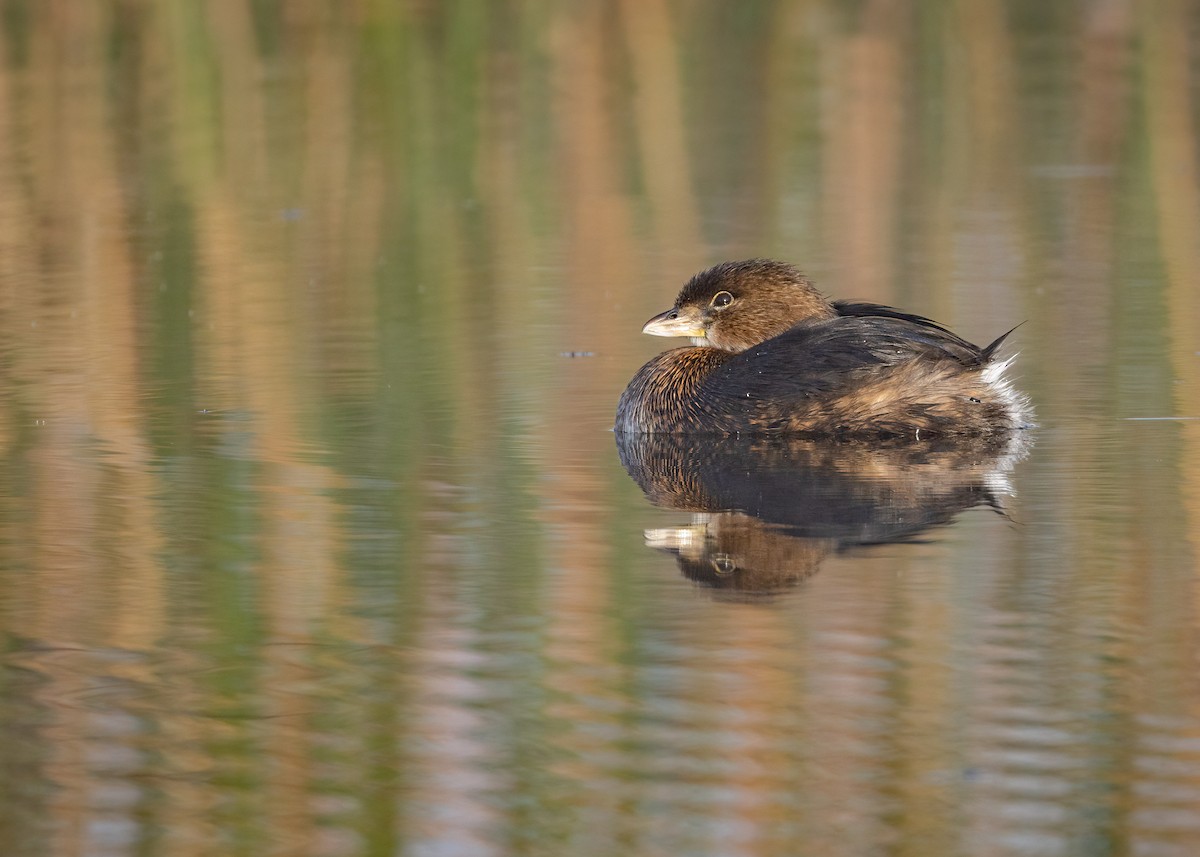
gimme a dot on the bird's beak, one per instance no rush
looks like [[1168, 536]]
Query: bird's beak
[[676, 322], [688, 542]]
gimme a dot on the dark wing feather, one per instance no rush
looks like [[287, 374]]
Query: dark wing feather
[[870, 369], [816, 358], [921, 328], [866, 308], [990, 350]]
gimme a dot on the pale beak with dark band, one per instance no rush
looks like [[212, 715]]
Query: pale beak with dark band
[[676, 322]]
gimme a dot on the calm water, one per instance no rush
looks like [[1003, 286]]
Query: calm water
[[314, 539]]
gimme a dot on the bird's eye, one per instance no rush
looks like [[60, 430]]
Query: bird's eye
[[723, 564], [721, 299]]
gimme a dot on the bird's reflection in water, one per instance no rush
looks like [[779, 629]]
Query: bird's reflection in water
[[766, 513]]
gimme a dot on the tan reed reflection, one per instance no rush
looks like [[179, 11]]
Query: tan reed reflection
[[658, 116], [1170, 101], [865, 147], [600, 259], [94, 525]]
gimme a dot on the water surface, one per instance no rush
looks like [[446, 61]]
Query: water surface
[[314, 537]]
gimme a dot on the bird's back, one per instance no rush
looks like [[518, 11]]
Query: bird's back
[[871, 370]]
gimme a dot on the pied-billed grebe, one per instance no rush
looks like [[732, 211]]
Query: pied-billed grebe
[[776, 357]]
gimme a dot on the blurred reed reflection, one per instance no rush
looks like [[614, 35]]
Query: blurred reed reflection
[[768, 512]]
